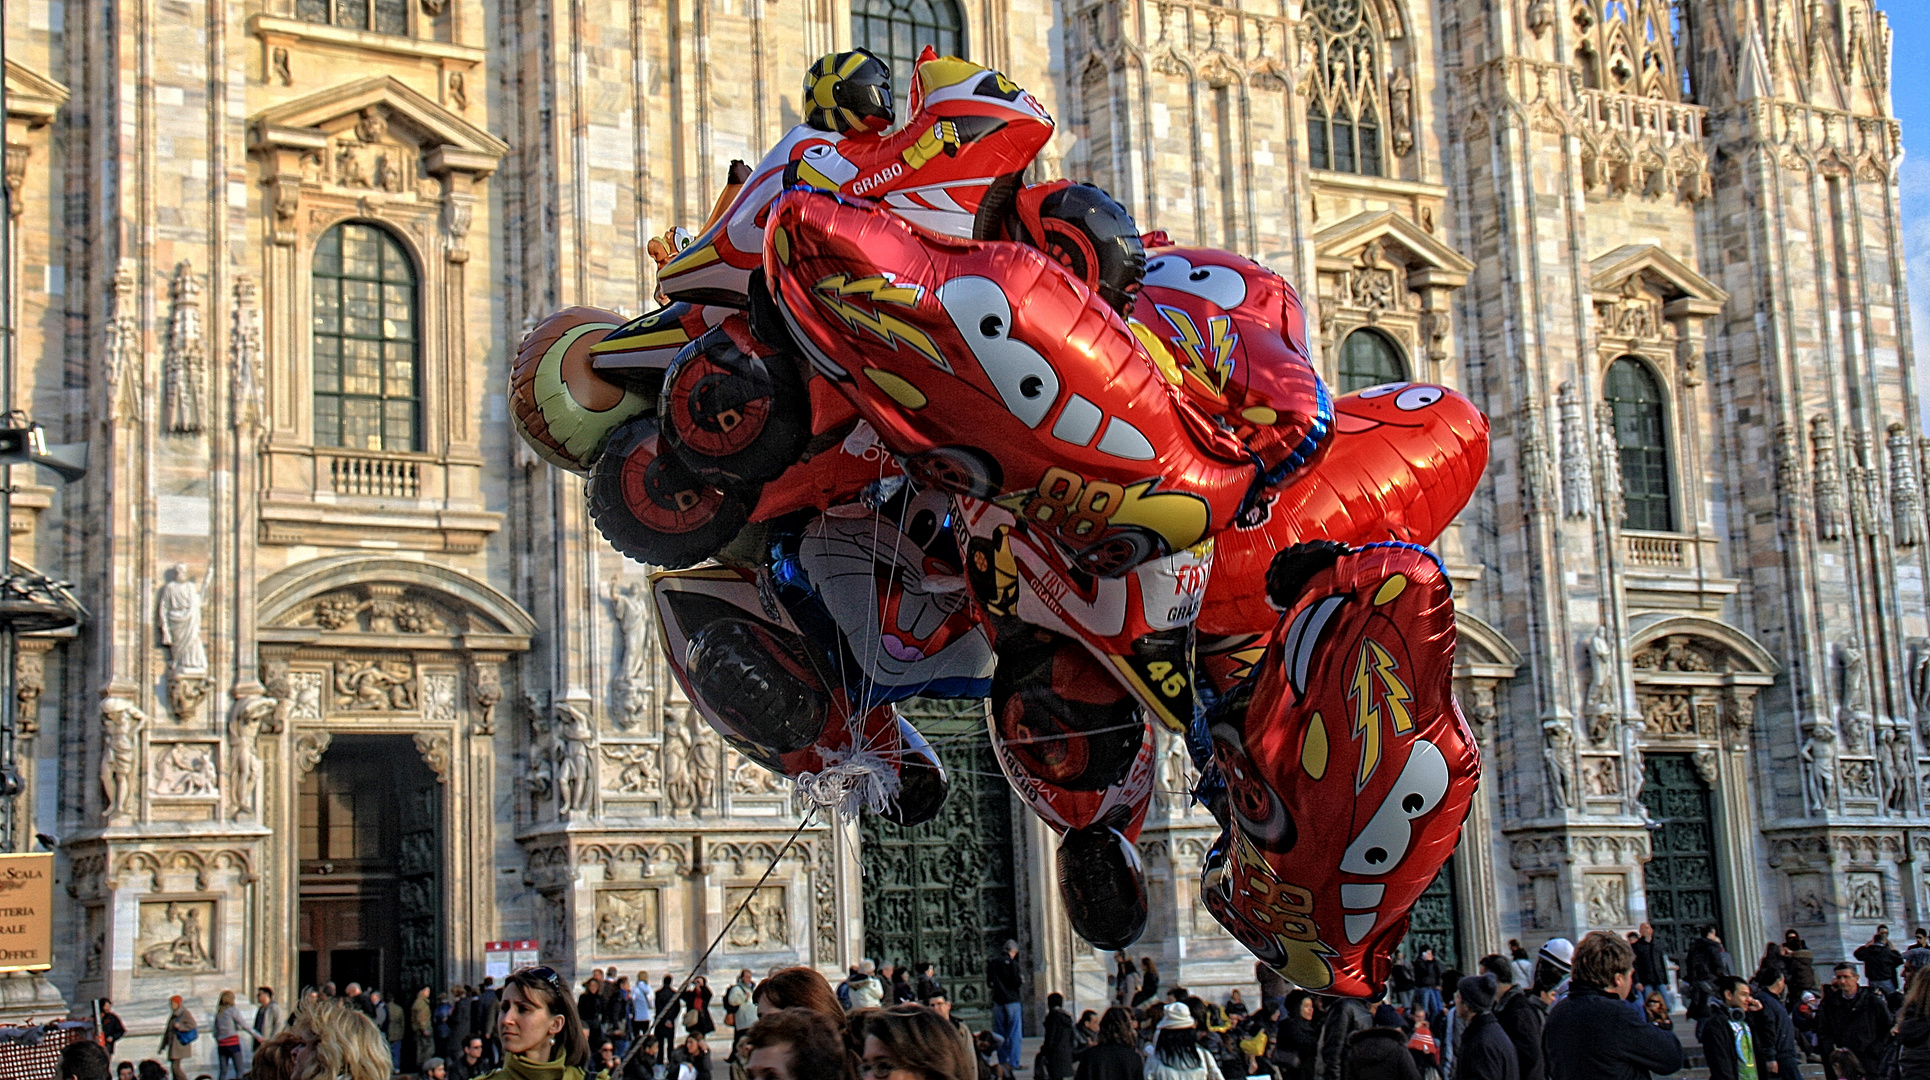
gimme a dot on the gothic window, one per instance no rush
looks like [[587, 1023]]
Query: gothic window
[[1628, 46], [368, 385], [1369, 358], [381, 16], [897, 30], [1641, 441], [1345, 100]]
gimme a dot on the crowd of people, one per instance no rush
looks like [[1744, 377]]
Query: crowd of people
[[1605, 1007]]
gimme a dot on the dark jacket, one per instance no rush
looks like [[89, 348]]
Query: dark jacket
[[1110, 1061], [1705, 961], [1486, 1052], [1651, 963], [1776, 1038], [1299, 1038], [1273, 986], [1880, 961], [1913, 1047], [1427, 974], [1055, 1049], [1860, 1024], [1593, 1036], [1347, 1016], [1003, 976], [1522, 1017], [700, 1062], [459, 1021], [460, 1069], [1799, 968], [1379, 1054], [1718, 1041]]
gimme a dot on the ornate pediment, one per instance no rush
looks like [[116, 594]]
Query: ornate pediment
[[32, 97], [1427, 260], [351, 600], [410, 118], [1683, 291]]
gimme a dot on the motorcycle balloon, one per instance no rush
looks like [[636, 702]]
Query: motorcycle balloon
[[1063, 721], [1403, 460], [735, 411], [651, 507], [1348, 767], [562, 408], [1103, 886]]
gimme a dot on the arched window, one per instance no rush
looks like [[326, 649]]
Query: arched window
[[381, 16], [1641, 441], [368, 384], [1369, 358], [1344, 102], [897, 30]]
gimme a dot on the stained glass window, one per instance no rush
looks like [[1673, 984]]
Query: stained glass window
[[368, 387]]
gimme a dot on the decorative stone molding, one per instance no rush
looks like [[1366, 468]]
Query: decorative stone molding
[[1381, 269], [184, 364], [309, 748], [434, 748], [1832, 511], [1651, 304], [1577, 477], [33, 100]]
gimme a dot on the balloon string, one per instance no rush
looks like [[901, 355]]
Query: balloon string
[[664, 1025]]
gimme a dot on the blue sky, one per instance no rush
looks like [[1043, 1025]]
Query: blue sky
[[1910, 99]]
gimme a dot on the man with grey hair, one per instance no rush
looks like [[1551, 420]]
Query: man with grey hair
[[1007, 987]]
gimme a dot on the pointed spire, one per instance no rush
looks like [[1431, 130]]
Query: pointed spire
[[1752, 80]]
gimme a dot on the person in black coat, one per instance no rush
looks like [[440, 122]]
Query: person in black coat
[[1706, 960], [1379, 1053], [1295, 1034], [1113, 1057], [1880, 959], [1854, 1018], [1486, 1052], [1592, 1034], [1913, 1029], [1522, 1016], [1651, 962], [1055, 1049], [1776, 1055], [1427, 981], [1728, 1040], [1344, 1018]]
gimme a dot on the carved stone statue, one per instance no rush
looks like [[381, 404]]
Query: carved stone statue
[[186, 769], [1557, 751], [121, 725], [706, 758], [1600, 706], [244, 762], [1819, 760], [178, 608], [1633, 767], [679, 780], [631, 604], [1919, 687], [1856, 701], [1176, 777], [575, 767], [1895, 760], [541, 777]]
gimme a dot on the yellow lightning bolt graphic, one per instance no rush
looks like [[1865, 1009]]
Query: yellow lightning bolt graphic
[[1220, 327], [1376, 660], [1189, 335], [886, 328]]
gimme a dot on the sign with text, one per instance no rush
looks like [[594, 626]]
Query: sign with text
[[502, 957], [27, 912]]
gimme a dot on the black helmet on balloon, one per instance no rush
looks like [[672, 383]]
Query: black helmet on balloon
[[849, 92]]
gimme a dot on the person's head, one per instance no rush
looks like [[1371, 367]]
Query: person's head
[[174, 1002], [1427, 952], [435, 1069], [606, 1054], [1844, 978], [1089, 1019], [1916, 995], [694, 1044], [1146, 963], [1647, 931], [1011, 947], [799, 988], [1116, 1026], [226, 1000], [1473, 996], [1793, 940], [539, 1020], [422, 994], [1605, 962], [745, 976], [1515, 950], [866, 967], [910, 1042], [1711, 932], [124, 1071], [354, 990], [473, 1048], [1498, 966], [940, 1004], [263, 995], [1055, 1001], [623, 984], [1882, 931], [1300, 1004], [375, 996], [794, 1044], [1734, 990], [154, 1070], [1633, 937], [336, 1042], [86, 1060], [328, 989], [1233, 996], [1771, 981], [1655, 1004], [643, 978], [666, 982], [1176, 1038]]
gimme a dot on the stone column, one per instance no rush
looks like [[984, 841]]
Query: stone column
[[1737, 827]]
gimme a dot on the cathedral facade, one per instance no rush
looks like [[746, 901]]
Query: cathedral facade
[[361, 691]]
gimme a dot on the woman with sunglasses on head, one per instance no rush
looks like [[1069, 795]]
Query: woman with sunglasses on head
[[541, 1035]]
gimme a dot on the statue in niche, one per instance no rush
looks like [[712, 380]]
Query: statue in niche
[[631, 604], [1557, 753], [1633, 766], [121, 724], [575, 768], [244, 761], [1855, 714], [1600, 704], [178, 612], [1819, 765], [679, 781]]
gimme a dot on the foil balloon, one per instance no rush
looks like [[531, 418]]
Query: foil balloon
[[1071, 742], [1348, 767], [1403, 460], [756, 678], [563, 408], [996, 374]]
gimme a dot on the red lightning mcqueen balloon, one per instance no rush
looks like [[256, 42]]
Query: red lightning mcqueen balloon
[[1348, 766], [999, 375]]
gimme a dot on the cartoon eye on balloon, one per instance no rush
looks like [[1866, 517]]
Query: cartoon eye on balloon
[[1415, 398], [1223, 285], [1382, 390]]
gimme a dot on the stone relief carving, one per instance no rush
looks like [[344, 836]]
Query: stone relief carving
[[174, 936], [434, 748], [121, 726], [1864, 485], [278, 64], [763, 924], [627, 922], [375, 685], [186, 769], [1673, 653], [245, 720], [1606, 896], [1864, 892], [1577, 477], [1479, 706], [486, 689], [1819, 753], [178, 613], [1828, 483], [1805, 899], [1704, 762], [309, 748], [305, 688], [1857, 777], [1558, 754], [29, 683], [439, 698], [184, 368], [824, 905], [1601, 777], [1906, 496], [1667, 714], [631, 768], [747, 777], [1535, 466], [631, 688], [1599, 706], [575, 768], [364, 157], [123, 346]]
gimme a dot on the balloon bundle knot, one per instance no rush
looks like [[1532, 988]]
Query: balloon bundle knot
[[849, 782]]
